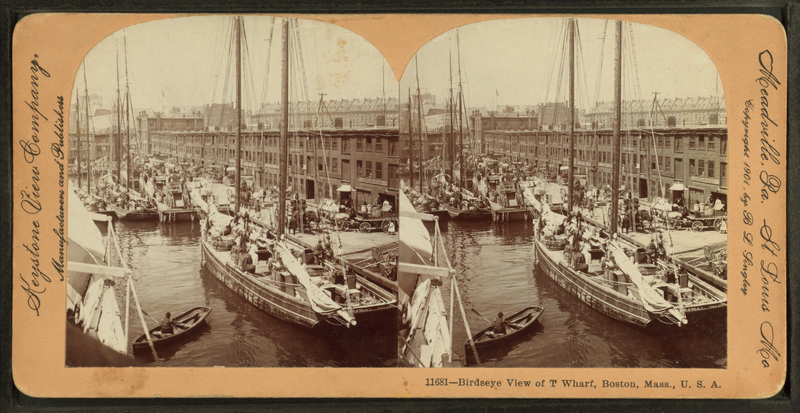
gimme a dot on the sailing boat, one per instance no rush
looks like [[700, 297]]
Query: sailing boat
[[282, 286], [633, 294], [134, 208], [464, 205]]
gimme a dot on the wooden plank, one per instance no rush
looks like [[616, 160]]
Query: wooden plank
[[96, 269], [423, 269]]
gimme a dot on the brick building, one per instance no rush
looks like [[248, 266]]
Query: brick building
[[694, 156], [320, 161]]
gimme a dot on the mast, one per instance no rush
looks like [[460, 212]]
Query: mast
[[127, 118], [284, 130], [615, 157], [118, 140], [238, 181], [451, 141], [411, 141], [88, 140], [571, 183], [78, 129], [419, 123], [460, 119]]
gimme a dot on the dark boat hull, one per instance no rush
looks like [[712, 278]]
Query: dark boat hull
[[613, 303], [196, 317], [528, 317], [287, 307], [465, 215], [135, 215], [510, 214]]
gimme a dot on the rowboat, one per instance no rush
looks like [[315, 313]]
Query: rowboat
[[518, 323], [191, 321]]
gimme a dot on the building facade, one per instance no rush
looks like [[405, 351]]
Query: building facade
[[321, 163], [651, 160]]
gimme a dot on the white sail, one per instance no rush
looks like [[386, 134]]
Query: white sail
[[319, 300]]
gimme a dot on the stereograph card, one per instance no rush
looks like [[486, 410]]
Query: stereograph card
[[399, 205]]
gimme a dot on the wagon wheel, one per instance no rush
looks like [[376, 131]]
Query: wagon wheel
[[717, 223], [385, 225], [365, 227], [697, 226]]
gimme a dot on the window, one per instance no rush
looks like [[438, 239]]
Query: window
[[369, 169], [378, 170], [710, 143], [701, 143], [345, 170], [678, 142], [723, 145], [660, 141], [328, 144], [661, 162], [334, 144], [345, 145], [319, 164], [359, 145], [667, 166], [360, 169], [319, 143], [711, 172], [667, 142], [378, 145], [701, 168], [653, 162], [691, 143], [723, 174], [369, 144], [691, 167]]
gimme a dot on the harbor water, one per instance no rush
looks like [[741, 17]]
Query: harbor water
[[495, 270], [167, 271]]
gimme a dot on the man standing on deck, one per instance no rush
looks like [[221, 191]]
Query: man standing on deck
[[319, 252]]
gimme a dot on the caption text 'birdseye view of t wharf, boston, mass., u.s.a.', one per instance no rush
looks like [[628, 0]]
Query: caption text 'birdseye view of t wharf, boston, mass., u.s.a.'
[[286, 206]]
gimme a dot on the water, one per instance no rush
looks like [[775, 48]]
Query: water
[[494, 263], [165, 261]]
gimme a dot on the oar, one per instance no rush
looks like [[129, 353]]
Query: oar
[[476, 312]]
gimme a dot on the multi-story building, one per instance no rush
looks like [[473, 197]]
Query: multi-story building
[[175, 121], [344, 113], [651, 159], [682, 112], [327, 163]]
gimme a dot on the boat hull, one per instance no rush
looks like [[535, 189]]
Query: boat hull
[[286, 307], [197, 316], [613, 303], [134, 215], [485, 346], [510, 214], [464, 215]]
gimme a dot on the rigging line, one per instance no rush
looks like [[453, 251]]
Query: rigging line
[[551, 54], [599, 77], [564, 57]]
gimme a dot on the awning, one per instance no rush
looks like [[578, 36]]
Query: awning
[[677, 186], [344, 188]]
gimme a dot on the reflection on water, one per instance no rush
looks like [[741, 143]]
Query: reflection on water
[[494, 265], [165, 260]]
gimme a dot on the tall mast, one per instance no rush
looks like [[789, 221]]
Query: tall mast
[[460, 118], [88, 140], [238, 181], [410, 140], [419, 124], [284, 129], [615, 157], [127, 117], [571, 112], [451, 152], [118, 140], [78, 129]]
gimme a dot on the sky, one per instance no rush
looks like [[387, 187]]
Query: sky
[[178, 62], [517, 62]]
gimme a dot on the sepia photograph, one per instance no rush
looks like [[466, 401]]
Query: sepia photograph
[[233, 197], [567, 178], [324, 205]]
